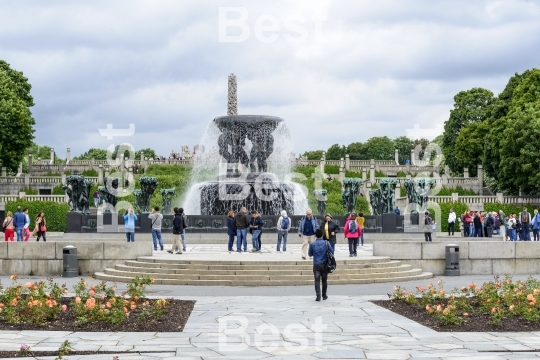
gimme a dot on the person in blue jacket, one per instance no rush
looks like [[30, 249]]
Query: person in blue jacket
[[19, 220], [318, 249], [129, 224]]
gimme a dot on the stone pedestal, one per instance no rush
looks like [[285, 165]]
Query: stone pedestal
[[389, 223], [4, 171], [412, 157], [74, 222], [466, 173], [396, 156], [100, 174], [347, 162], [68, 155]]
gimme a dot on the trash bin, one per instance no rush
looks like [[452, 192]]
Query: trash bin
[[71, 264], [452, 260]]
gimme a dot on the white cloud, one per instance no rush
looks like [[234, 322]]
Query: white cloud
[[384, 66]]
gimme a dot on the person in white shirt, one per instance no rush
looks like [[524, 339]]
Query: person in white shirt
[[451, 221]]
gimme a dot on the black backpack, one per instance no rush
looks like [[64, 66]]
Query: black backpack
[[330, 263]]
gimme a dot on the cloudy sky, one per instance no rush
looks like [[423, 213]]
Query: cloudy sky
[[338, 72]]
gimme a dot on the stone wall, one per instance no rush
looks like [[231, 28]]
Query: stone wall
[[46, 258], [476, 257]]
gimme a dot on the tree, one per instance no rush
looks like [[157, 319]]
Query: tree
[[335, 152], [313, 155], [97, 154], [356, 151], [404, 146], [498, 122], [37, 151], [470, 106], [151, 154], [379, 148], [519, 160], [16, 121], [469, 147]]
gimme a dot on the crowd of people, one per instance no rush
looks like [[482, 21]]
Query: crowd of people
[[317, 239], [512, 227], [19, 224]]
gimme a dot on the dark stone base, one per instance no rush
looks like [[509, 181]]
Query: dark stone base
[[218, 223]]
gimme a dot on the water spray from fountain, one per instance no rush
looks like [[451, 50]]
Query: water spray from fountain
[[251, 157]]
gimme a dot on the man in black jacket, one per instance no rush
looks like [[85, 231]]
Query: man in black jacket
[[178, 228], [242, 224]]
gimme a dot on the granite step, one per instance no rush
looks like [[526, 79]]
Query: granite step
[[331, 280]]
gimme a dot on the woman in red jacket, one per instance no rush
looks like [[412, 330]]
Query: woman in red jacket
[[352, 233]]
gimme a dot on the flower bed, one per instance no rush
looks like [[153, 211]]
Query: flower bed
[[45, 306], [498, 305]]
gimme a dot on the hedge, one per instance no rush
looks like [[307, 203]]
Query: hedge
[[447, 191], [55, 214]]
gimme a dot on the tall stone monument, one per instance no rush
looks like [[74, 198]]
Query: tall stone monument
[[232, 104]]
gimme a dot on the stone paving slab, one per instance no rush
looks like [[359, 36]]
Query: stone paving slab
[[289, 327]]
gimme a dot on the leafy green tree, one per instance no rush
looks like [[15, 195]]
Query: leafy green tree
[[97, 154], [335, 152], [469, 147], [356, 151], [498, 122], [379, 148], [404, 146], [21, 85], [519, 159], [470, 106], [16, 121], [37, 151], [313, 155], [151, 154]]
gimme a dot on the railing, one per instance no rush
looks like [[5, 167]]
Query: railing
[[56, 198], [441, 199], [333, 162], [11, 179], [45, 179], [6, 198]]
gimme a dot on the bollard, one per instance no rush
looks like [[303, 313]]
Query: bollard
[[71, 264], [452, 260]]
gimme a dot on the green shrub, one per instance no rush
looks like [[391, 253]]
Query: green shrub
[[446, 191], [55, 214], [29, 191], [331, 169], [90, 173], [352, 174], [379, 173], [57, 190]]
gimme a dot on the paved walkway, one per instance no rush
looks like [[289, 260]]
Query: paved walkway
[[285, 323], [290, 328]]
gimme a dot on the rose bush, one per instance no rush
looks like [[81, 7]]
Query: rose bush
[[499, 299]]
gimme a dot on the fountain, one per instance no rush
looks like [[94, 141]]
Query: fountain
[[246, 155]]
